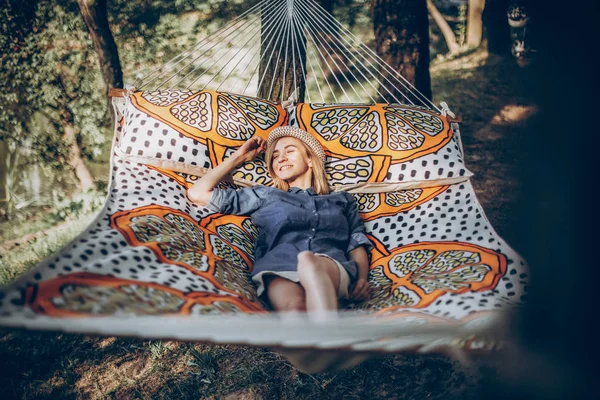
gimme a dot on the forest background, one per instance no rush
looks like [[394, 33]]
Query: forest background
[[55, 135]]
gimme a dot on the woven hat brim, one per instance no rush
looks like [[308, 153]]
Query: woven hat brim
[[292, 131]]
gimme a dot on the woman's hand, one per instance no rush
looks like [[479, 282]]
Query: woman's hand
[[252, 148], [361, 291], [202, 190]]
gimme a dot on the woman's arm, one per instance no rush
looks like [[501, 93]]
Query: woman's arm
[[202, 191], [357, 248], [362, 287]]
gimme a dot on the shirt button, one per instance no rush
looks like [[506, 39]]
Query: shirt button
[[313, 229]]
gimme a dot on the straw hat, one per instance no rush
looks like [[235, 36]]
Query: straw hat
[[307, 138]]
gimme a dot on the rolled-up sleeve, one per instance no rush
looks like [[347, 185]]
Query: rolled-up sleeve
[[238, 202], [357, 227]]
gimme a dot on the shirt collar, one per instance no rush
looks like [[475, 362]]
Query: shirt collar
[[295, 190]]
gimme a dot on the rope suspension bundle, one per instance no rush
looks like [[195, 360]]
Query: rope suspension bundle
[[335, 65]]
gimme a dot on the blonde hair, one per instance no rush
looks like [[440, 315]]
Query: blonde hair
[[319, 178]]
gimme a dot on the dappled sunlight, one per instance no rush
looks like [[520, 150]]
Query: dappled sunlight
[[50, 386], [463, 61], [112, 374], [120, 375], [513, 113], [106, 342]]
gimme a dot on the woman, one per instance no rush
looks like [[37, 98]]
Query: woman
[[311, 244]]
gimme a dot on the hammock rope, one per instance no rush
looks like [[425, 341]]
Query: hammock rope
[[276, 34], [291, 32], [145, 80], [240, 32], [315, 31], [347, 51], [324, 59], [284, 39], [332, 24]]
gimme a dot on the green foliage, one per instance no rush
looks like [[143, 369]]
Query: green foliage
[[353, 13], [51, 80], [77, 206], [203, 364], [149, 33], [22, 258], [157, 349]]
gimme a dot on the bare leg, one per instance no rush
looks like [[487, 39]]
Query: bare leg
[[320, 278], [284, 294]]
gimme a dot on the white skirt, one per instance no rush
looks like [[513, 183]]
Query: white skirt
[[258, 279]]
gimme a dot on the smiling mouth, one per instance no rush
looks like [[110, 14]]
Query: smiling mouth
[[285, 167]]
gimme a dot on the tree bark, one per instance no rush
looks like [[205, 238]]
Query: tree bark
[[96, 19], [439, 19], [402, 41], [8, 159], [496, 26], [475, 23], [82, 172], [283, 60]]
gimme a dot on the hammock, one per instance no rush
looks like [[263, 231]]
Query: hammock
[[154, 265]]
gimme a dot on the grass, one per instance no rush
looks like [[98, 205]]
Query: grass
[[487, 93], [89, 367], [23, 225], [23, 257]]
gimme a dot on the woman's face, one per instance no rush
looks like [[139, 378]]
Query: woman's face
[[290, 160]]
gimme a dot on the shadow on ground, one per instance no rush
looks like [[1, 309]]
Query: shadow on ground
[[50, 365]]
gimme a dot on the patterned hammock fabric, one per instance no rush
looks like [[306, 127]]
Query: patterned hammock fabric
[[153, 264]]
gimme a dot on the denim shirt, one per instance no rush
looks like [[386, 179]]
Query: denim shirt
[[294, 221]]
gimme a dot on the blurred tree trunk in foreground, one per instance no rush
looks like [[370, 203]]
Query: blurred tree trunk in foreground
[[283, 58], [475, 23], [558, 356], [402, 40]]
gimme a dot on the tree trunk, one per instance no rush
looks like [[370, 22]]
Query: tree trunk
[[402, 41], [475, 23], [496, 26], [96, 19], [8, 160], [83, 174], [449, 36], [283, 60]]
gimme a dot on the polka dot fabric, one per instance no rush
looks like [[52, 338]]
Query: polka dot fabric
[[152, 252], [439, 255], [191, 131], [149, 252]]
